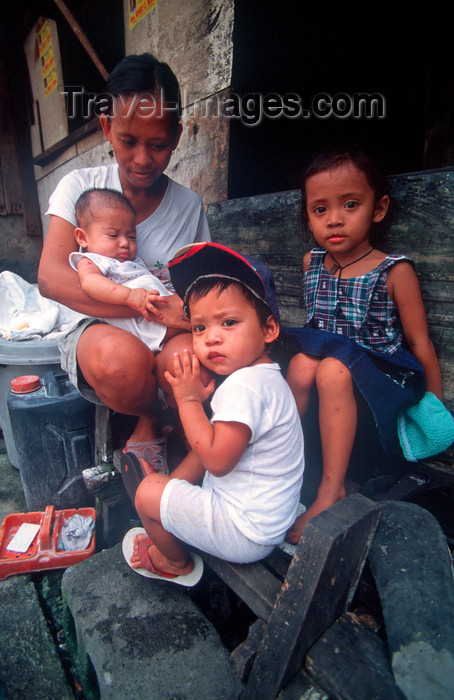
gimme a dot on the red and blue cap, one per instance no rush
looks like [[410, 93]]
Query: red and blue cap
[[204, 260]]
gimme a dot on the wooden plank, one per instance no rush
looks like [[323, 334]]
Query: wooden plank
[[270, 228], [320, 583], [242, 657], [256, 586], [351, 662]]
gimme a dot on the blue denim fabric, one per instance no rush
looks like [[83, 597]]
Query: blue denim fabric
[[387, 382]]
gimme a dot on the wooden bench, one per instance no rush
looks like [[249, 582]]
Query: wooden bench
[[296, 599]]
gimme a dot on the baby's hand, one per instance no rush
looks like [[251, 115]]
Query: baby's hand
[[185, 381], [143, 300]]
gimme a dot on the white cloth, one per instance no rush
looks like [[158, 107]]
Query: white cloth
[[25, 314], [133, 274], [178, 221], [263, 490]]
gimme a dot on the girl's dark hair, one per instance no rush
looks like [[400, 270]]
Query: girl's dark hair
[[362, 159], [143, 73]]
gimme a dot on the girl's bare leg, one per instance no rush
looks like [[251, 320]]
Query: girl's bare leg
[[120, 367], [301, 378], [338, 421]]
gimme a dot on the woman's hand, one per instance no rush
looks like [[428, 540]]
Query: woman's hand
[[144, 300], [172, 313]]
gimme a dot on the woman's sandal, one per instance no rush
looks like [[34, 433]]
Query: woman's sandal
[[132, 473]]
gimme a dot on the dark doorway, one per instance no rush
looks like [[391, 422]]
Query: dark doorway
[[398, 51]]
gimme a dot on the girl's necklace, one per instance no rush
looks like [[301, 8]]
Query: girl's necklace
[[334, 269], [337, 266]]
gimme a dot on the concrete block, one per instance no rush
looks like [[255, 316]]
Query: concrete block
[[412, 567], [144, 637], [30, 666]]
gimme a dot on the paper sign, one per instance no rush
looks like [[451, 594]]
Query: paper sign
[[23, 537], [138, 9], [46, 57]]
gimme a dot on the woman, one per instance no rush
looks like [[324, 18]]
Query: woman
[[108, 364]]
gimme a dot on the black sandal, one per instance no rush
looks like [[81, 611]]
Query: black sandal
[[132, 473]]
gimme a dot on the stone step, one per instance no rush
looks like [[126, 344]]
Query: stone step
[[144, 638], [30, 666]]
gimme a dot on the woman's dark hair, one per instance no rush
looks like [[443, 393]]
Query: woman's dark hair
[[143, 73]]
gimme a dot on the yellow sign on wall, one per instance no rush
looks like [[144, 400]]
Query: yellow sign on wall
[[138, 9], [46, 57]]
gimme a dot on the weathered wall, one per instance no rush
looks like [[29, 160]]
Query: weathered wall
[[20, 242], [194, 38]]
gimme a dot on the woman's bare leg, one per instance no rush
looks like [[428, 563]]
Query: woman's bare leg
[[164, 362], [119, 367], [338, 422]]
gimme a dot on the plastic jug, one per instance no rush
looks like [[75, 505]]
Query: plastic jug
[[54, 432]]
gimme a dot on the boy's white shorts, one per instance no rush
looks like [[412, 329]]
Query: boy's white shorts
[[199, 517]]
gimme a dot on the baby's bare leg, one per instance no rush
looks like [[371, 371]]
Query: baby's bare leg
[[338, 421]]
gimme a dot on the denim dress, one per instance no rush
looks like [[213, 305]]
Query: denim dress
[[355, 321]]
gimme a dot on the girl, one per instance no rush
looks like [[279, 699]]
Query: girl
[[108, 364], [366, 328]]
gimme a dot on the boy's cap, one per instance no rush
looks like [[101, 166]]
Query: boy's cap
[[204, 260]]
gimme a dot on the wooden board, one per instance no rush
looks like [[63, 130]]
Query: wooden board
[[320, 583], [351, 662]]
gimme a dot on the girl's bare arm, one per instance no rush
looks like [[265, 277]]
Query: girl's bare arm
[[404, 289]]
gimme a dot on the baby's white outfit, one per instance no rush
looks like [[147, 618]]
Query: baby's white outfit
[[133, 274]]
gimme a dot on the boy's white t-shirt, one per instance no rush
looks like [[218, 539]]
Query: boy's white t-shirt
[[178, 221], [133, 274], [263, 490]]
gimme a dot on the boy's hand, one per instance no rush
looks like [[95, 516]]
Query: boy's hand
[[143, 301], [186, 383]]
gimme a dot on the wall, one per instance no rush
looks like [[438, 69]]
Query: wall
[[195, 39], [20, 232]]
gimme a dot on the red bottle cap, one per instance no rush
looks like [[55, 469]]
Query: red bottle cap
[[26, 384]]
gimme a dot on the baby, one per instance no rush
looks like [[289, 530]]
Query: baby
[[109, 269]]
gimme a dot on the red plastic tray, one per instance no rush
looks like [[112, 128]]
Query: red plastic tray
[[42, 554]]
